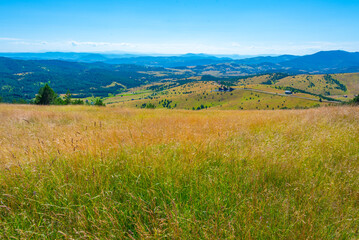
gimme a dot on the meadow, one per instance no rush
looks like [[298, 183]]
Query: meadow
[[205, 94], [81, 172]]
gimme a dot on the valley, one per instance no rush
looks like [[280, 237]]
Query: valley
[[258, 83]]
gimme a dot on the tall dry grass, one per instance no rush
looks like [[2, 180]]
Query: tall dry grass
[[103, 173]]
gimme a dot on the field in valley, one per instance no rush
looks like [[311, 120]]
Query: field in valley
[[81, 172]]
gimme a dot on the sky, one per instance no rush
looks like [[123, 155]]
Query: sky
[[244, 27]]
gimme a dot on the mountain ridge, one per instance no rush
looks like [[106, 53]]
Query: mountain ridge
[[325, 59]]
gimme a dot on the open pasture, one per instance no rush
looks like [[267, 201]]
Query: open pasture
[[77, 172]]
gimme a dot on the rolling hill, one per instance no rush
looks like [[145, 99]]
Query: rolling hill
[[201, 95], [21, 79], [333, 85]]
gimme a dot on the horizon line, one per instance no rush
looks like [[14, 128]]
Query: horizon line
[[116, 52]]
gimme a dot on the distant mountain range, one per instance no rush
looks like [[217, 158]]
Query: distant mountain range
[[321, 61], [324, 60], [158, 61], [99, 74], [189, 59]]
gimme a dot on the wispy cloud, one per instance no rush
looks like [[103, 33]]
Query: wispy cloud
[[99, 44], [9, 39], [243, 48]]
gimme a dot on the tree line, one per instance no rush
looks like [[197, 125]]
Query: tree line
[[47, 96]]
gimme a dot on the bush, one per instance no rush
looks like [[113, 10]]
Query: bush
[[148, 105], [99, 102], [355, 100], [78, 102], [59, 101]]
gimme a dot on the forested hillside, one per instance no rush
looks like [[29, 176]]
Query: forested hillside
[[21, 79]]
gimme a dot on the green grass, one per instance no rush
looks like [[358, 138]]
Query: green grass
[[194, 95], [108, 173], [336, 85]]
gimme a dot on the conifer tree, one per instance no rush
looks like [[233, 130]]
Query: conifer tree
[[46, 96]]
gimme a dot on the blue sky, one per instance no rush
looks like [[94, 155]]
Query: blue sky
[[173, 27]]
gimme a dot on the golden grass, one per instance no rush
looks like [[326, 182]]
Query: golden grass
[[193, 95], [106, 173], [313, 83], [351, 80]]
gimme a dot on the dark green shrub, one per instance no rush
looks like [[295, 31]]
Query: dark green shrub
[[46, 96]]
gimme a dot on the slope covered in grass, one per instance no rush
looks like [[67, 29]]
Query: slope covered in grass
[[351, 80], [205, 95], [335, 85], [85, 172]]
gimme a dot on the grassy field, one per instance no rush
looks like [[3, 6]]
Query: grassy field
[[333, 85], [196, 94], [351, 80], [76, 172], [199, 95]]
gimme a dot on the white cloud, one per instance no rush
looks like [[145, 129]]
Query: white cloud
[[9, 39], [242, 48], [98, 44]]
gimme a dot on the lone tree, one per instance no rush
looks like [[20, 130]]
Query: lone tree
[[46, 96], [68, 98]]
